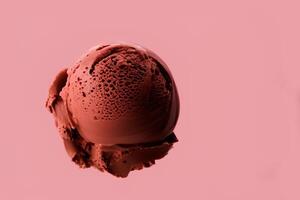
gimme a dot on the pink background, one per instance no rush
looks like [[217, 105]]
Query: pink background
[[237, 68]]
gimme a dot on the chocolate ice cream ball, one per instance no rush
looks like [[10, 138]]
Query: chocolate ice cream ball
[[115, 108]]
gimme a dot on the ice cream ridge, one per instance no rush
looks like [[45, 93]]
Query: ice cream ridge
[[115, 108]]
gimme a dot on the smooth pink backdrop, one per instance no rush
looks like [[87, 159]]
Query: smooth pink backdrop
[[237, 67]]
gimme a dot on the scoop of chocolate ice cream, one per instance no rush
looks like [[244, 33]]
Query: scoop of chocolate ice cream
[[116, 108]]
